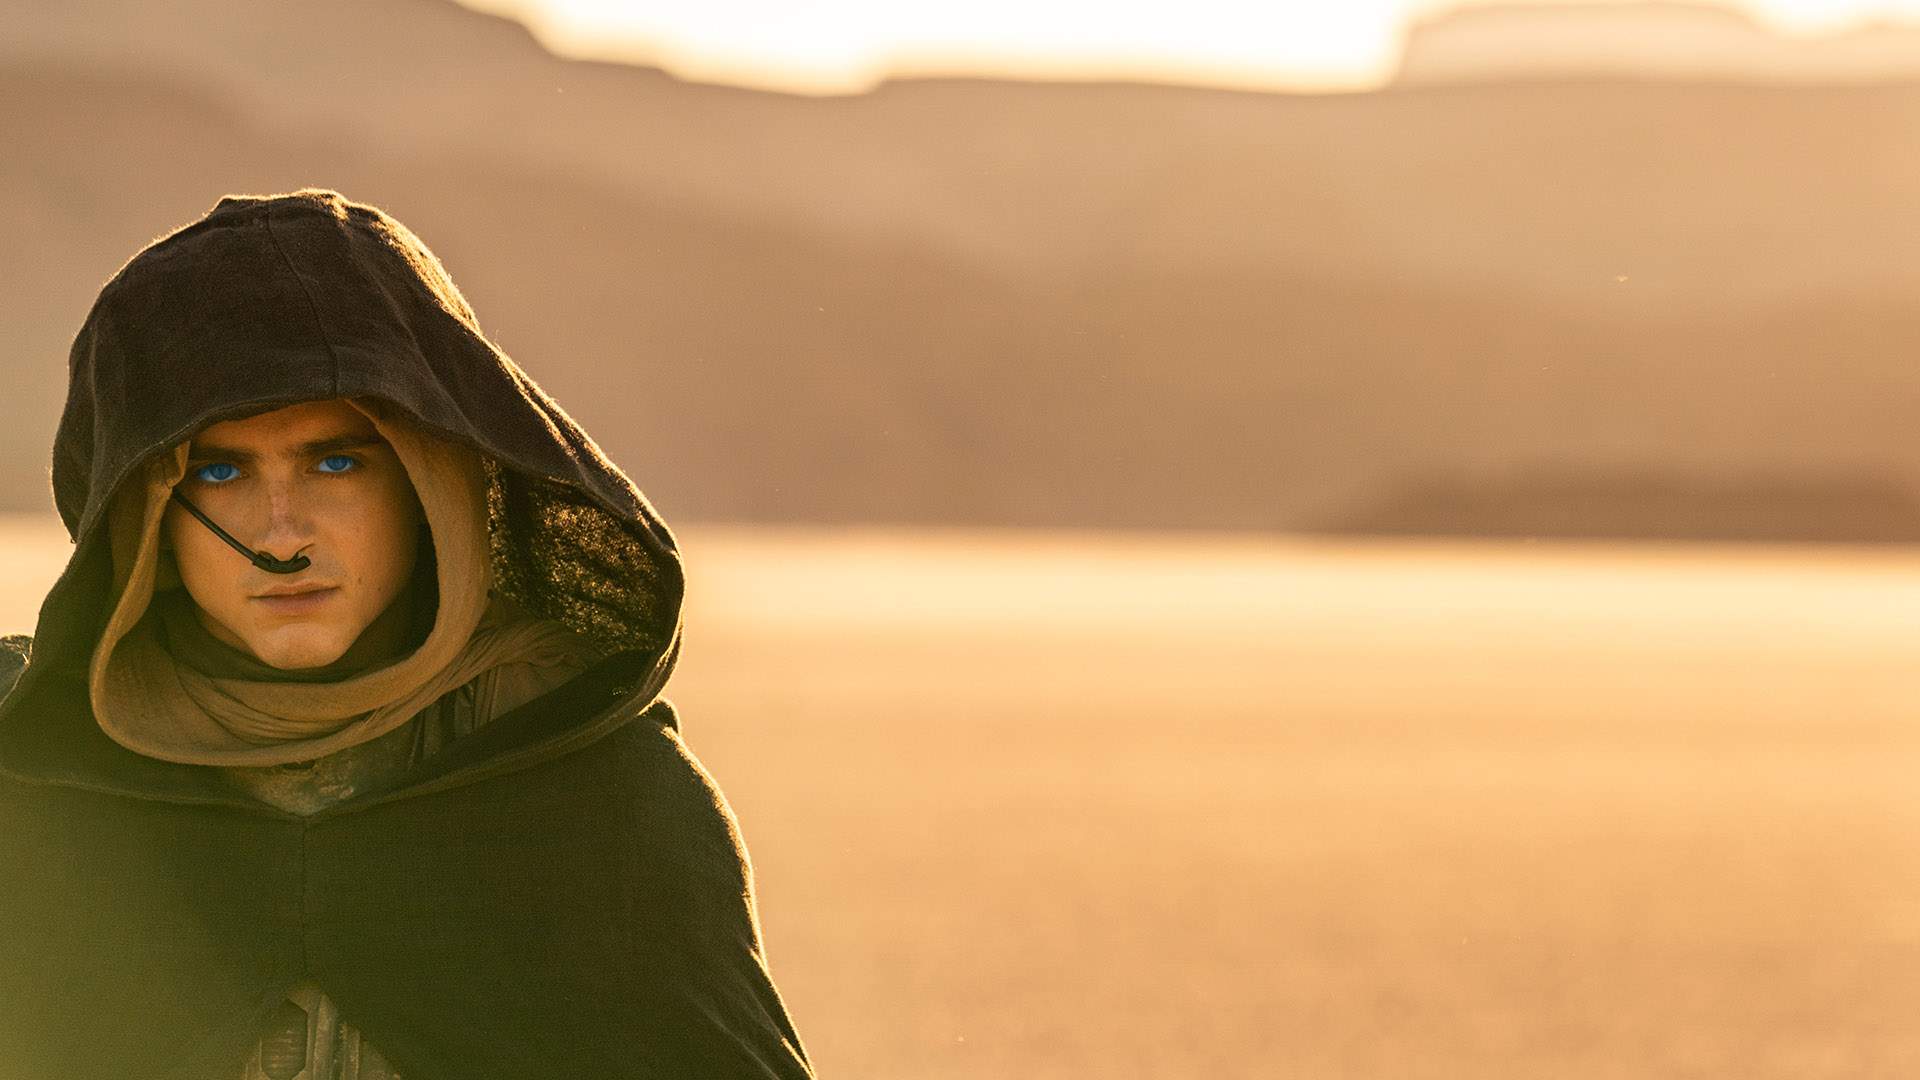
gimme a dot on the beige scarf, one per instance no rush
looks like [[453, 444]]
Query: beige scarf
[[150, 704]]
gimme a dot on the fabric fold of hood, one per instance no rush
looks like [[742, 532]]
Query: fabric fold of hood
[[267, 301]]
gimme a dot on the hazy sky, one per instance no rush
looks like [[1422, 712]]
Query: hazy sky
[[834, 46]]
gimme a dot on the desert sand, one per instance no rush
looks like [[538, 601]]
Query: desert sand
[[1064, 805]]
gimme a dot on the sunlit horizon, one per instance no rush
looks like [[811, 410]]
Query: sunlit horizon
[[848, 46]]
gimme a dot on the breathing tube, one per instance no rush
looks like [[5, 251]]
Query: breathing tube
[[258, 558]]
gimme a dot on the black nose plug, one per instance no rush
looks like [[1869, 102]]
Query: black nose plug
[[258, 558]]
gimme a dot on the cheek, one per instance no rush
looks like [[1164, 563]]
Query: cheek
[[174, 531], [385, 531], [201, 558], [187, 539]]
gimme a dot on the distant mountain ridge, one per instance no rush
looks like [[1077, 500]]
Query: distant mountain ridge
[[1694, 40], [956, 301]]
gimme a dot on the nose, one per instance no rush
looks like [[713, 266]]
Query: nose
[[289, 524]]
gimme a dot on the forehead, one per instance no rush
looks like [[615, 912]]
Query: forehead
[[297, 423]]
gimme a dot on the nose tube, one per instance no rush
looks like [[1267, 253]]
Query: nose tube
[[258, 558]]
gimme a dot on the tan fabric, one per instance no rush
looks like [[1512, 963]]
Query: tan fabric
[[307, 787], [149, 704]]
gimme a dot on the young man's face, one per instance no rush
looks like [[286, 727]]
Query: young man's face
[[312, 479]]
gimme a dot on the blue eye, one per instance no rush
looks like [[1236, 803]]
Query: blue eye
[[218, 472], [339, 463]]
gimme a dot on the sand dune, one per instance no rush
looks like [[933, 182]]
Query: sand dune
[[952, 302]]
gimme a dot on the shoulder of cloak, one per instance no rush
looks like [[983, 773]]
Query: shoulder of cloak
[[14, 650]]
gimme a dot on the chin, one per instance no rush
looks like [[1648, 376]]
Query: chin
[[300, 647]]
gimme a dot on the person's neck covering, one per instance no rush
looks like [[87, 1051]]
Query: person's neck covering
[[151, 702]]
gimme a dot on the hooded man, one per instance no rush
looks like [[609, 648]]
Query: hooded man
[[338, 750]]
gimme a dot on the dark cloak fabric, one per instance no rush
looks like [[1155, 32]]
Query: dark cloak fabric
[[562, 893]]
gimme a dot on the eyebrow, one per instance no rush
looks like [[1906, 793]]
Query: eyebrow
[[332, 444]]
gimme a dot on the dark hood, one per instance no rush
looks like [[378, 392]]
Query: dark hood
[[270, 300]]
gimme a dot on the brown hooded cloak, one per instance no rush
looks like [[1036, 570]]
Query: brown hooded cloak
[[560, 893]]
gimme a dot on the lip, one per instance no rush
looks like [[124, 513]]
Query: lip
[[297, 602], [292, 590]]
